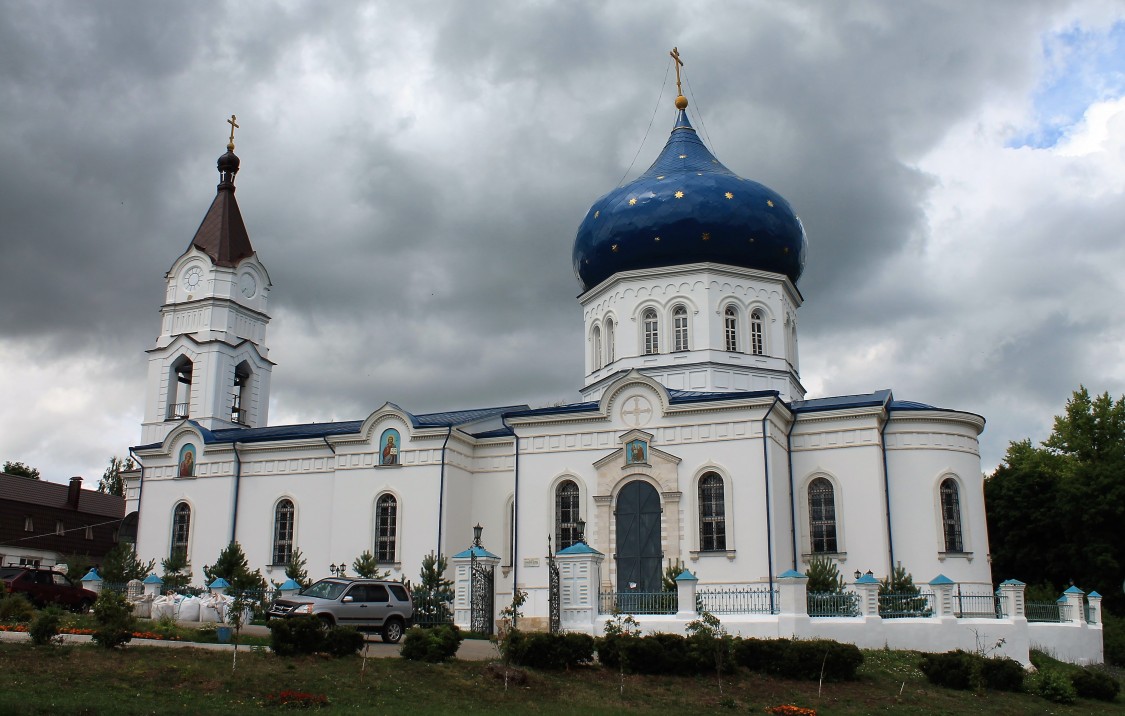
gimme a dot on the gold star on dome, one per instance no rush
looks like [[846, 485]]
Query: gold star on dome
[[706, 236], [769, 203], [596, 213], [633, 201], [656, 239], [679, 195], [729, 195], [659, 177], [613, 248], [683, 156]]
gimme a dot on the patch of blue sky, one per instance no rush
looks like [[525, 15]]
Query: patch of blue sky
[[1082, 67]]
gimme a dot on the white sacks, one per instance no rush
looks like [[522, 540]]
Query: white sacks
[[188, 609], [165, 606]]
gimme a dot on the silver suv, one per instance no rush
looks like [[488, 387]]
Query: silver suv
[[366, 604]]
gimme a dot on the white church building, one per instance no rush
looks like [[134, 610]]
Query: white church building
[[693, 441]]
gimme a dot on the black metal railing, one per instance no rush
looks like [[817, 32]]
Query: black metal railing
[[905, 605], [739, 600], [978, 606], [829, 604], [638, 602], [1047, 611]]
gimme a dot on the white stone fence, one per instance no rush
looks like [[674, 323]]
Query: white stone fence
[[941, 617]]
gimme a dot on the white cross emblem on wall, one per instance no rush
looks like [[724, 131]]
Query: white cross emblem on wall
[[637, 412]]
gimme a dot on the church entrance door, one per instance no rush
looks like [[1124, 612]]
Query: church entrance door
[[638, 538]]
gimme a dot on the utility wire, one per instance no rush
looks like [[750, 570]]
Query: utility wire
[[699, 113], [655, 109]]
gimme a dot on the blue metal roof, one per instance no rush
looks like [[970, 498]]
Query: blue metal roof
[[555, 410], [474, 551], [304, 431], [839, 402], [677, 397], [688, 208], [578, 548]]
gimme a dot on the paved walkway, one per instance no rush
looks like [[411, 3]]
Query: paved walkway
[[471, 649]]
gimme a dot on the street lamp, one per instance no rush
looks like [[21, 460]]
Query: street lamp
[[337, 571], [581, 530], [476, 535]]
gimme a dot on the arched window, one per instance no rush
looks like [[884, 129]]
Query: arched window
[[179, 389], [597, 341], [679, 329], [712, 514], [951, 515], [822, 515], [652, 332], [181, 529], [609, 351], [283, 532], [730, 328], [238, 410], [386, 528], [566, 514], [757, 345]]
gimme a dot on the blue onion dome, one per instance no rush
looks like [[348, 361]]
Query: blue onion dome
[[688, 208]]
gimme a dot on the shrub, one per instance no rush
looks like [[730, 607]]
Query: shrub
[[953, 669], [762, 656], [342, 641], [297, 635], [807, 660], [577, 649], [16, 608], [613, 647], [1094, 684], [541, 650], [1001, 674], [114, 620], [433, 645], [1113, 638], [1053, 685], [45, 627]]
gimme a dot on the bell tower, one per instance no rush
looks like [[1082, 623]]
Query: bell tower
[[210, 362]]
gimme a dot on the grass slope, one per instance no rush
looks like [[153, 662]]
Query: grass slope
[[90, 680]]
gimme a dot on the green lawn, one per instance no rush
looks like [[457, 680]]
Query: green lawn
[[90, 680]]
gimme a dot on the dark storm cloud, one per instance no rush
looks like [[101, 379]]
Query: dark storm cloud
[[412, 177]]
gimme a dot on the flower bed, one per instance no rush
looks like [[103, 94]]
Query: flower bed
[[89, 632]]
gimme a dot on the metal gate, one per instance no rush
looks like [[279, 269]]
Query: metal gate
[[555, 589], [482, 582]]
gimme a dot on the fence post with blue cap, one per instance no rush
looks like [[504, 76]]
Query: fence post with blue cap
[[686, 584], [1012, 595], [1075, 599], [92, 581], [152, 585]]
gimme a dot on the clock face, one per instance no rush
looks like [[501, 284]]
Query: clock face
[[248, 285], [192, 278]]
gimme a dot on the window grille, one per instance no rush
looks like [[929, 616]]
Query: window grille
[[757, 345], [181, 529], [951, 515], [283, 532], [652, 332], [566, 514], [822, 515], [712, 514], [680, 328], [386, 528], [730, 328]]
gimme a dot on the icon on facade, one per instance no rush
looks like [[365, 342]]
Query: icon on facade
[[636, 452], [187, 461], [388, 446]]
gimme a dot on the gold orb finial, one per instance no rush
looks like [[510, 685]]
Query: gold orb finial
[[681, 102]]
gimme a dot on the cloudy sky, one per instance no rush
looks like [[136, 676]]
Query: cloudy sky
[[413, 175]]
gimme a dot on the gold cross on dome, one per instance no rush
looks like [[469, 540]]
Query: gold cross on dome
[[233, 126], [675, 54]]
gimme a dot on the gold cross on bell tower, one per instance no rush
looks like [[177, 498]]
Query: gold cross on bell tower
[[233, 126], [681, 101]]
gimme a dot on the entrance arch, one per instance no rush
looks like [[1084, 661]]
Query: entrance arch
[[639, 555]]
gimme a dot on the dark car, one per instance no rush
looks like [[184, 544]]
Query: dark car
[[366, 604], [46, 586]]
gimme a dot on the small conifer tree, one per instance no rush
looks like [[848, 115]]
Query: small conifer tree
[[177, 570], [366, 566], [295, 569], [233, 566]]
